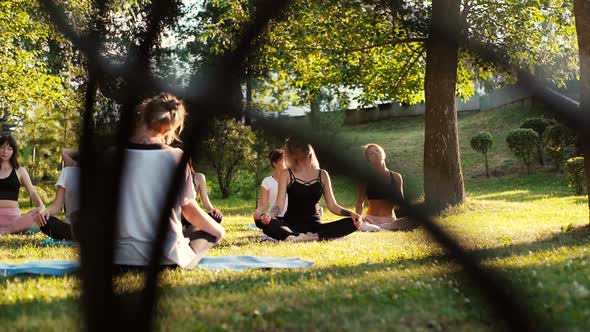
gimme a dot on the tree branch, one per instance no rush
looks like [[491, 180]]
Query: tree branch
[[357, 49]]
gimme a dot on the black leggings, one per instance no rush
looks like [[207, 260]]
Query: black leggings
[[281, 228], [185, 222], [57, 229]]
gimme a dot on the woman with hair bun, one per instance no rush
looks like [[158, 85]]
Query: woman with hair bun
[[12, 176], [305, 183], [149, 169]]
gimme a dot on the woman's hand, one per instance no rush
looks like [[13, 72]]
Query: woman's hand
[[265, 218], [257, 215], [357, 219], [41, 217], [216, 213]]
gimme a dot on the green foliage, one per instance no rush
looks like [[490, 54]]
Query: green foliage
[[228, 148], [557, 137], [523, 142], [574, 172], [539, 125], [482, 143]]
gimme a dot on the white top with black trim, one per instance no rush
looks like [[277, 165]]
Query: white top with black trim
[[148, 173]]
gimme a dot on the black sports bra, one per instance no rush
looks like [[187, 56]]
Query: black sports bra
[[303, 196], [10, 187], [379, 193]]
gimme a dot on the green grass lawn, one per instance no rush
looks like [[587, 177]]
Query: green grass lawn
[[529, 227]]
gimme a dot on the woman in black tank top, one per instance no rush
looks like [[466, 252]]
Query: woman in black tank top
[[381, 199], [12, 175], [305, 183]]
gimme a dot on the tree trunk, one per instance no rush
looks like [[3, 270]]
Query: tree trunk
[[582, 14], [443, 177]]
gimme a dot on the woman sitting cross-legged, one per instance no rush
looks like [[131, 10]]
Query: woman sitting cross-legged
[[380, 214], [200, 183], [149, 169], [12, 176], [305, 183], [270, 187], [67, 194]]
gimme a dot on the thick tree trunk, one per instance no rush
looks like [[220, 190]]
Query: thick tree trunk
[[582, 13], [443, 177]]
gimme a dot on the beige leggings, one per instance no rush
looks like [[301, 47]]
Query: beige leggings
[[391, 224]]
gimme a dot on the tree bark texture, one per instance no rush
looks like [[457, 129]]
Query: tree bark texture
[[582, 14], [443, 176]]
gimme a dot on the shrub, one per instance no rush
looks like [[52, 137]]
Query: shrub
[[574, 172], [228, 148], [482, 142], [539, 125], [556, 139], [523, 142]]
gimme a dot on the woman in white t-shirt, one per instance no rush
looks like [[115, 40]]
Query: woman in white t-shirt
[[67, 194], [270, 187], [149, 170]]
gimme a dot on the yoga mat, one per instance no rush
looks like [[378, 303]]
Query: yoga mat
[[240, 263], [52, 242], [48, 268], [251, 226], [213, 263]]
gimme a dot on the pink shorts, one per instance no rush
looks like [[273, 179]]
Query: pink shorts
[[11, 221], [390, 223]]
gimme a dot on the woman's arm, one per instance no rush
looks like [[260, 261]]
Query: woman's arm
[[360, 201], [26, 181], [329, 196], [196, 216], [68, 156], [400, 182], [281, 198], [333, 205], [262, 203], [55, 208], [201, 182]]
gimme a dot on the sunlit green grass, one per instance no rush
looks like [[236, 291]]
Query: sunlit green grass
[[529, 227]]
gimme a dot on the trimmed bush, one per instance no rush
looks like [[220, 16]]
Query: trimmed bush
[[523, 142], [555, 142], [539, 125], [574, 172], [482, 143]]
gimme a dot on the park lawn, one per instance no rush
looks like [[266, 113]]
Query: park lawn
[[529, 227]]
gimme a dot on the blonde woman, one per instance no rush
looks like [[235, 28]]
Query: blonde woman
[[305, 183], [380, 214], [149, 169]]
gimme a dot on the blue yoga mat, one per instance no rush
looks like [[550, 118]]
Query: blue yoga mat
[[251, 226], [51, 242], [48, 268], [240, 263], [214, 263]]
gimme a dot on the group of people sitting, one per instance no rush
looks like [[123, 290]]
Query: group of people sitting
[[288, 208]]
